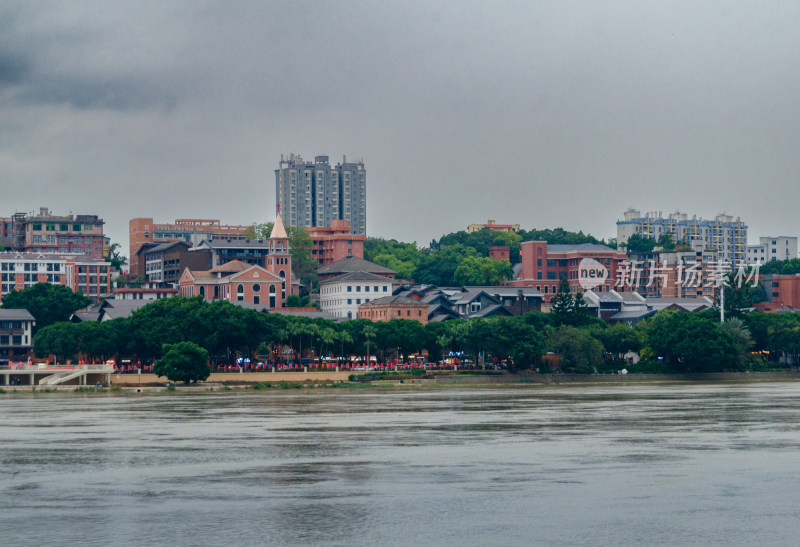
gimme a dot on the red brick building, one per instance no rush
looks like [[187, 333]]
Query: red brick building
[[543, 266], [236, 281], [188, 230], [500, 252], [335, 242], [783, 291], [394, 307]]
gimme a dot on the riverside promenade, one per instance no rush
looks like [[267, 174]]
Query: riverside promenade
[[249, 377]]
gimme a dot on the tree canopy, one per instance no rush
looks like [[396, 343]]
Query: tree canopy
[[47, 303], [183, 362]]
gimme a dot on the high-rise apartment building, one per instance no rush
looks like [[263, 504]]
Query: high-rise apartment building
[[726, 236], [313, 194], [49, 233]]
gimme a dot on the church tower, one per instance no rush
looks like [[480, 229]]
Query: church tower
[[279, 261]]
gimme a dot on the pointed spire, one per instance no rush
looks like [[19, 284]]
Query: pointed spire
[[278, 230]]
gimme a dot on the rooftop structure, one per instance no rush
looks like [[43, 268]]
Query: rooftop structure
[[492, 225], [48, 233]]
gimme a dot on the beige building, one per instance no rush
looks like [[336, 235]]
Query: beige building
[[492, 225]]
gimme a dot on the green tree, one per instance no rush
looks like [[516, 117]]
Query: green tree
[[638, 244], [47, 303], [439, 268], [738, 330], [477, 270], [619, 339], [580, 351], [115, 257], [401, 257], [59, 339], [369, 333], [691, 342], [562, 305], [183, 362]]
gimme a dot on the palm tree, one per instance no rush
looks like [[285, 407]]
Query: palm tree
[[343, 337], [368, 333], [741, 336], [326, 336]]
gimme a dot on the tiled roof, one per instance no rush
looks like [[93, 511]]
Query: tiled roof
[[16, 315], [356, 276], [354, 264], [505, 291], [394, 301], [488, 311], [165, 246], [579, 247], [230, 267]]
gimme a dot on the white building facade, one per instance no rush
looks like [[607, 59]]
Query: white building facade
[[341, 295], [772, 248]]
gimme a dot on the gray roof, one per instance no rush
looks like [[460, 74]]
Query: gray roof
[[689, 304], [396, 300], [470, 295], [357, 276], [505, 290], [80, 317], [632, 297], [630, 315], [115, 309], [16, 315], [579, 247], [354, 264], [494, 309], [166, 246], [441, 317]]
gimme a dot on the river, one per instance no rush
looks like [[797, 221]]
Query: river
[[574, 465]]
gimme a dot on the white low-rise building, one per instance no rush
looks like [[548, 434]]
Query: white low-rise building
[[340, 296], [16, 335]]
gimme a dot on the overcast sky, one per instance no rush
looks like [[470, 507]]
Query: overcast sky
[[545, 114]]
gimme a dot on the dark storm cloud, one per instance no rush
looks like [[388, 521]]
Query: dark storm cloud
[[59, 65], [541, 113]]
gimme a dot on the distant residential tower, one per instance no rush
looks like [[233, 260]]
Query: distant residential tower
[[314, 194]]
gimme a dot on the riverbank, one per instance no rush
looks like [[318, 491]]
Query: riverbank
[[150, 383]]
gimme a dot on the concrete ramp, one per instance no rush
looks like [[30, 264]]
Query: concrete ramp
[[62, 377]]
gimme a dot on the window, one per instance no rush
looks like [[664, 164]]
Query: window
[[349, 300], [349, 288], [239, 292], [256, 288]]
